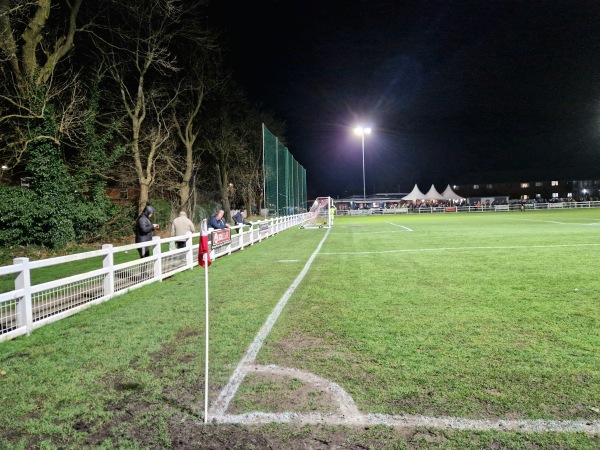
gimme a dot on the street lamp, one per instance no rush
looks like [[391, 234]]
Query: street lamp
[[361, 131]]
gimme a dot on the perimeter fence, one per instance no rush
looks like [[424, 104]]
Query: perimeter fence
[[427, 209], [285, 179], [25, 306]]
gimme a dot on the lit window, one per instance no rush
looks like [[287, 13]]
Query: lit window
[[555, 195], [475, 186], [525, 197], [524, 185], [538, 195], [570, 195], [554, 183]]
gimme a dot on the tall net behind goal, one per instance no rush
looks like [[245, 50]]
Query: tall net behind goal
[[321, 214]]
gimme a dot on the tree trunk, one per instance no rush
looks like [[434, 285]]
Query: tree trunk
[[144, 196], [184, 198]]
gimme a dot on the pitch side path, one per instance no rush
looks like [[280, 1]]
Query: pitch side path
[[482, 322]]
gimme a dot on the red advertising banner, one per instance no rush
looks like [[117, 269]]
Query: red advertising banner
[[221, 237], [450, 209]]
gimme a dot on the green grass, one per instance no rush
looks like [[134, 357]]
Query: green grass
[[468, 315], [510, 331]]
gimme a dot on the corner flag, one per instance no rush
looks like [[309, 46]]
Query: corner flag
[[203, 250]]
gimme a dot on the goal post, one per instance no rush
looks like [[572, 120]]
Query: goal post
[[321, 214]]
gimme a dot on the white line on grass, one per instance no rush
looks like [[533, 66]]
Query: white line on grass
[[558, 223], [225, 396], [410, 421], [492, 247], [337, 233], [401, 226]]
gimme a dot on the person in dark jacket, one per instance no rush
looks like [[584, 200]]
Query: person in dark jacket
[[217, 221], [144, 229], [238, 218]]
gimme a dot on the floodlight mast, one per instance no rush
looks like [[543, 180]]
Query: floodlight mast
[[361, 131]]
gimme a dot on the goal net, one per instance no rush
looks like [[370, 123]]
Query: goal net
[[321, 214]]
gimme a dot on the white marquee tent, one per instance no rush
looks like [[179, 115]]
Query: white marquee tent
[[433, 194], [449, 194], [415, 194]]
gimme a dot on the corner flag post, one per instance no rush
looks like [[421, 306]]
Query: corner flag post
[[204, 261]]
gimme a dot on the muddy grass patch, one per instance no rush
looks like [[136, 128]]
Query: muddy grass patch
[[269, 392]]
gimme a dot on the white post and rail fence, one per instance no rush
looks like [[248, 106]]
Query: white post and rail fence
[[25, 305]]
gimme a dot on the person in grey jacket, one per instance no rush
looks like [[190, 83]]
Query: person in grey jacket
[[144, 229]]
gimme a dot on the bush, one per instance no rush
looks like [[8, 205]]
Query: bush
[[23, 217], [102, 221], [205, 211], [26, 219]]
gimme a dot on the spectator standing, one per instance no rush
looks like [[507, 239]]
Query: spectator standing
[[239, 218], [144, 230], [180, 226], [217, 221]]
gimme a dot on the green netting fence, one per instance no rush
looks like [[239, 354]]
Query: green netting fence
[[285, 179]]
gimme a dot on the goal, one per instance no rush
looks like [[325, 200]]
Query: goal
[[321, 214]]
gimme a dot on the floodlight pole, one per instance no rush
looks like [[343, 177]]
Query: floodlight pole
[[363, 160], [362, 131]]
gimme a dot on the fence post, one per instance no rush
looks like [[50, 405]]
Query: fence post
[[24, 308], [156, 251], [108, 263], [189, 254]]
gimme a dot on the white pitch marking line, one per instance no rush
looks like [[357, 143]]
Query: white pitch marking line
[[460, 248], [337, 233], [228, 392], [558, 223], [412, 421], [396, 225]]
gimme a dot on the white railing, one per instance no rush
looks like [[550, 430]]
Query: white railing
[[29, 306], [454, 209]]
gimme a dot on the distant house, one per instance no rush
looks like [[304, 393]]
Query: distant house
[[547, 190], [122, 195]]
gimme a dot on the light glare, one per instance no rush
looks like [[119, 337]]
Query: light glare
[[362, 130]]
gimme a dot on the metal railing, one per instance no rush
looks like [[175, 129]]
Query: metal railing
[[29, 306], [473, 209]]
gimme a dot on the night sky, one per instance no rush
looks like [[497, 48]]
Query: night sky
[[457, 92]]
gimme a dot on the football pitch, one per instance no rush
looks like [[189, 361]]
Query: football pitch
[[486, 320], [404, 331]]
